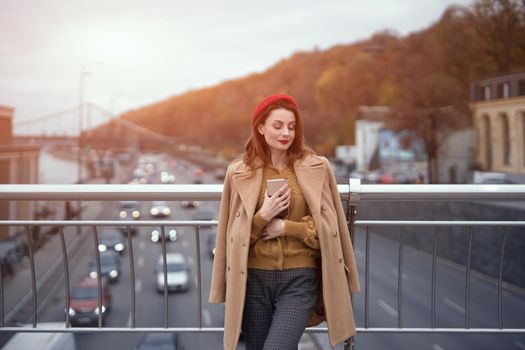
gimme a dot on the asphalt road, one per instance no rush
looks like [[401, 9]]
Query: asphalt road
[[383, 297]]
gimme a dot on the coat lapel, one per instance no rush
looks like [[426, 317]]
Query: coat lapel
[[248, 187], [309, 173]]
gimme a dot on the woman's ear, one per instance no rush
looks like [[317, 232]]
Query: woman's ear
[[260, 128]]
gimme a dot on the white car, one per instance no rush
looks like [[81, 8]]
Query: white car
[[160, 208], [177, 273]]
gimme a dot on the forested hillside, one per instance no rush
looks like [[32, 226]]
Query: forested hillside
[[424, 77]]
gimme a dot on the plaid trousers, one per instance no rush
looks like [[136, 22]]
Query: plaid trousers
[[277, 308]]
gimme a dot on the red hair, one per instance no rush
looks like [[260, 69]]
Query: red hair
[[257, 149]]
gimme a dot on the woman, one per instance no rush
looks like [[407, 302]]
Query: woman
[[266, 269]]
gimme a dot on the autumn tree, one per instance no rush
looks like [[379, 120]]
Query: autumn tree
[[500, 26]]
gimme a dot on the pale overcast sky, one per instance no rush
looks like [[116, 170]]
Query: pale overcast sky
[[151, 50]]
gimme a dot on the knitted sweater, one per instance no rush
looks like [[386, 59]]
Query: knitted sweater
[[299, 246]]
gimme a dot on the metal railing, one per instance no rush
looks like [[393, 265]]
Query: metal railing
[[352, 194]]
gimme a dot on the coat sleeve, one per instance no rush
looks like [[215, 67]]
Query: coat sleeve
[[344, 235], [218, 276]]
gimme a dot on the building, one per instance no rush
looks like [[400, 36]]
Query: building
[[498, 109], [402, 155], [18, 165]]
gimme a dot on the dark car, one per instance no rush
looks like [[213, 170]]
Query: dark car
[[189, 204], [129, 210], [109, 266], [203, 215], [111, 239], [158, 341], [83, 303]]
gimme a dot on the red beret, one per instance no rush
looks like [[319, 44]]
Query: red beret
[[270, 100]]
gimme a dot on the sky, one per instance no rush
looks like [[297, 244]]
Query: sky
[[135, 53]]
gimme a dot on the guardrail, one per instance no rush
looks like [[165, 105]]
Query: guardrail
[[353, 194]]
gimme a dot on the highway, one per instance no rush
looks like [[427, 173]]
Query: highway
[[383, 302]]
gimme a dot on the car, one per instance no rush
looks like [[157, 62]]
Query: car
[[189, 204], [198, 174], [178, 276], [162, 341], [129, 210], [203, 215], [109, 266], [167, 178], [111, 239], [160, 209], [497, 181], [83, 302], [169, 233], [219, 173]]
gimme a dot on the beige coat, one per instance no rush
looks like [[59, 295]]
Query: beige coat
[[238, 202]]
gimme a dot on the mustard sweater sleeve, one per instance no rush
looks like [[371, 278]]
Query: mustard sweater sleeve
[[304, 230], [258, 223]]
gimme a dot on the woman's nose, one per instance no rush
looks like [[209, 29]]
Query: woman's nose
[[285, 131]]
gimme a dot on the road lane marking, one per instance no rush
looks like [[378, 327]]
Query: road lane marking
[[207, 317], [138, 285], [394, 272], [453, 305], [140, 261], [142, 245], [519, 344], [185, 244], [191, 261], [436, 347], [389, 309]]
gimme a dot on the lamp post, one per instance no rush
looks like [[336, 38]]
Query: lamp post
[[83, 73]]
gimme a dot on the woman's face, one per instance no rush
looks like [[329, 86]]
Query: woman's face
[[279, 129]]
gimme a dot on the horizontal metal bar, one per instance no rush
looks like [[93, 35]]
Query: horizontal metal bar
[[107, 223], [214, 191], [442, 330], [221, 330], [110, 192], [437, 223]]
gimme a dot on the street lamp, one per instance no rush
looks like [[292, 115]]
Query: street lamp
[[83, 73]]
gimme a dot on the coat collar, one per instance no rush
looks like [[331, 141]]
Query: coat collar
[[308, 171]]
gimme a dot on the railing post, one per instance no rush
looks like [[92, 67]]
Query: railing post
[[132, 276], [165, 273], [199, 275], [66, 271], [500, 279], [353, 200], [33, 272]]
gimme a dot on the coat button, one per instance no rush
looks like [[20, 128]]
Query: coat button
[[244, 245], [231, 240], [242, 272], [228, 268], [340, 260], [238, 214], [323, 207], [335, 233]]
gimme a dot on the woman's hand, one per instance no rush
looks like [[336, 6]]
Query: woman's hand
[[273, 229], [275, 204]]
